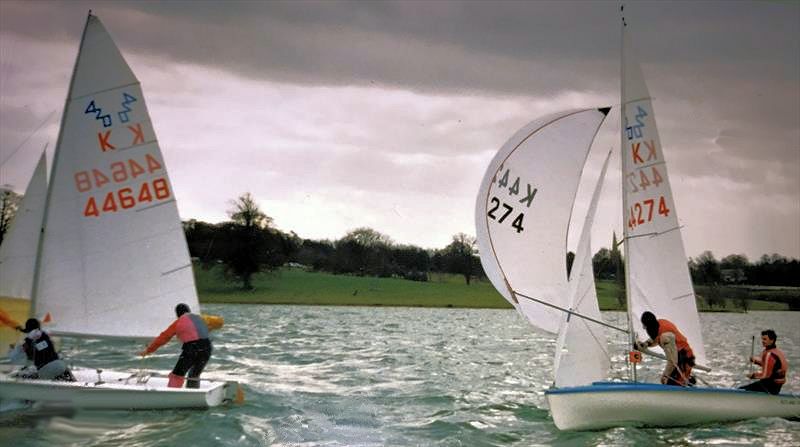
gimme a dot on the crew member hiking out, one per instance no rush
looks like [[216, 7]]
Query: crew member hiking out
[[40, 350], [680, 358], [774, 366], [192, 330]]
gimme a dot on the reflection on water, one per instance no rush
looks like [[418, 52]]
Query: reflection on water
[[365, 376]]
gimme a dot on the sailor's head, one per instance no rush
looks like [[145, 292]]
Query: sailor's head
[[650, 324], [31, 325], [768, 337], [181, 309]]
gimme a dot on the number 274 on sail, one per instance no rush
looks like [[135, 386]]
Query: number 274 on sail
[[501, 215]]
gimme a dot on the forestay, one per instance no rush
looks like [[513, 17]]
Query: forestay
[[18, 250], [523, 211], [114, 260], [581, 350], [656, 263]]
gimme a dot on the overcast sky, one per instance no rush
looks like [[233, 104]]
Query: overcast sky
[[338, 115]]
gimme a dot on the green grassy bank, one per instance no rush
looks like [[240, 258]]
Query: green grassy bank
[[296, 286]]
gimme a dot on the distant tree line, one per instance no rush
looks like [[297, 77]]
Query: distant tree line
[[769, 270], [248, 244]]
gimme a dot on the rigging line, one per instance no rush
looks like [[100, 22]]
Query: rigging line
[[28, 137], [600, 344], [664, 357], [570, 312]]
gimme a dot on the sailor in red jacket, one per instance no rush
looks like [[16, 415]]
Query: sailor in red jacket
[[192, 330], [680, 358], [774, 366]]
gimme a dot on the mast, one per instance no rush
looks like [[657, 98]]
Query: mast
[[40, 243], [622, 119]]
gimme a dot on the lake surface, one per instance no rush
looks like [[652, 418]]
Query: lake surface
[[371, 376]]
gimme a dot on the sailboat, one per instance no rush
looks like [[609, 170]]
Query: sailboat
[[104, 255], [18, 252], [523, 213]]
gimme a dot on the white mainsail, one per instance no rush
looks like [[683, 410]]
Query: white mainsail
[[656, 263], [114, 260], [581, 350], [523, 211], [18, 251]]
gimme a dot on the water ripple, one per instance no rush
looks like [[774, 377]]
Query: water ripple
[[331, 376]]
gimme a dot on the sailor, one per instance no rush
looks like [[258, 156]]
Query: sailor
[[680, 358], [192, 330], [39, 348], [773, 366]]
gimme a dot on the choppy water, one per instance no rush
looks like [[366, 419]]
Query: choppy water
[[336, 376]]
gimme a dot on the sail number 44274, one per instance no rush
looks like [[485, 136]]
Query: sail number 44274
[[642, 212], [501, 214]]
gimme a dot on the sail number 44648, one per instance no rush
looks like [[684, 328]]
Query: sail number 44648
[[642, 212], [127, 198]]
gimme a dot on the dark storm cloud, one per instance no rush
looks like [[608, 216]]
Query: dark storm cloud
[[725, 77]]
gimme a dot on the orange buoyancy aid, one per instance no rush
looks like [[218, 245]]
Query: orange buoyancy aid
[[768, 367], [680, 340]]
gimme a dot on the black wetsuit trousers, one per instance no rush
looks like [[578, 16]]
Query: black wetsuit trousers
[[193, 359], [764, 386]]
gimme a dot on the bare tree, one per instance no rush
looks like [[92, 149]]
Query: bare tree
[[250, 249], [246, 213]]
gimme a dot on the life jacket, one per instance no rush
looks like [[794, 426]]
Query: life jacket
[[770, 372], [680, 341], [39, 348], [191, 327]]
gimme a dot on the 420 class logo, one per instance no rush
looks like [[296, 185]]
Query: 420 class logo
[[93, 109]]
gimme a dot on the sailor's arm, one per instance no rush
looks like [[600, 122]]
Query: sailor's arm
[[6, 320], [162, 339], [670, 351]]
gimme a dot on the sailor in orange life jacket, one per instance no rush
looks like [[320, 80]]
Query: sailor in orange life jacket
[[192, 330], [774, 366], [680, 358]]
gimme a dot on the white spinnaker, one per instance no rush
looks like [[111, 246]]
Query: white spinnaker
[[657, 269], [581, 349], [18, 251], [114, 258], [523, 210]]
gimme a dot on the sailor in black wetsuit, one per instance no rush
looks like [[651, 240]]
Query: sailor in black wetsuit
[[39, 348]]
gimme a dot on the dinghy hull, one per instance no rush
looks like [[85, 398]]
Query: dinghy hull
[[116, 391], [604, 405]]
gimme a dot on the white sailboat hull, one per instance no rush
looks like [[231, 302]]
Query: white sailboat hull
[[604, 405], [117, 391]]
